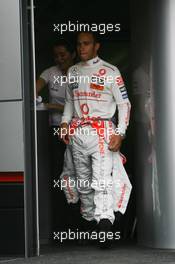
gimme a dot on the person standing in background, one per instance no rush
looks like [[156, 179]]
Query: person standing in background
[[53, 79]]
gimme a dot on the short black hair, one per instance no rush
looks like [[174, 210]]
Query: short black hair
[[64, 43], [94, 35]]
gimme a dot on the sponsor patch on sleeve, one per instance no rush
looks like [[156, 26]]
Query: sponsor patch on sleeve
[[123, 92]]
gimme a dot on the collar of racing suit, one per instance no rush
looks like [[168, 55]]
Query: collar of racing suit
[[93, 62]]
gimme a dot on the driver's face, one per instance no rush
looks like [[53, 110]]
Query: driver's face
[[86, 47]]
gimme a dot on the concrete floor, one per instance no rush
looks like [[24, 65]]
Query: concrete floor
[[91, 254]]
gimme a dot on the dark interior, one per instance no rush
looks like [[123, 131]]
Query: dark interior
[[115, 48]]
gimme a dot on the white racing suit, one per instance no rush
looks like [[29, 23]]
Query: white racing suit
[[92, 102]]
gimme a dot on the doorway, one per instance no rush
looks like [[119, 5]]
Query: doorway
[[54, 212]]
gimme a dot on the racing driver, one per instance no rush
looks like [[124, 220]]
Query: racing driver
[[94, 89]]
